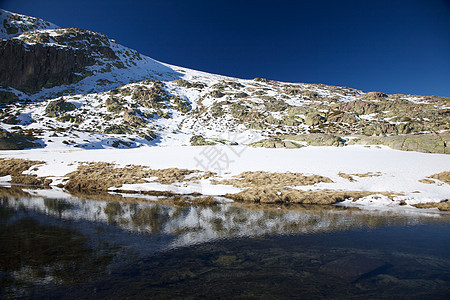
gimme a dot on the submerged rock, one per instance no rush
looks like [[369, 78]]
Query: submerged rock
[[352, 267]]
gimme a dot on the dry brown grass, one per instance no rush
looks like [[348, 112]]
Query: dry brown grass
[[444, 177], [427, 181], [101, 176], [443, 206], [280, 195], [261, 187], [265, 179], [350, 177], [15, 167], [206, 175], [346, 176]]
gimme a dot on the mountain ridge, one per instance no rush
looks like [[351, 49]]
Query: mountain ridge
[[103, 94]]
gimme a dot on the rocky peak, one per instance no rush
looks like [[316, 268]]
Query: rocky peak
[[12, 24]]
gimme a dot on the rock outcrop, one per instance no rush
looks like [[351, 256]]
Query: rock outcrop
[[29, 67], [15, 141]]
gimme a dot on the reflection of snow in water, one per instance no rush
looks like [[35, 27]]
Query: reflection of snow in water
[[190, 225]]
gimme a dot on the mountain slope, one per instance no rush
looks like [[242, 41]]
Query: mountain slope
[[77, 88]]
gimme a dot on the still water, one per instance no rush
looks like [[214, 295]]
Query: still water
[[107, 246]]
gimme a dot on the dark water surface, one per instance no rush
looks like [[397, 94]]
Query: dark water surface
[[106, 246]]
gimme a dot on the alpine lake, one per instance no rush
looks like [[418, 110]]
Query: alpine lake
[[115, 247]]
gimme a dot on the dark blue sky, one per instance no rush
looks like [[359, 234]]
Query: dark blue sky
[[394, 46]]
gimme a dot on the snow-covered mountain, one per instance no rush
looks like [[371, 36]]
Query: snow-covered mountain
[[69, 87], [15, 24]]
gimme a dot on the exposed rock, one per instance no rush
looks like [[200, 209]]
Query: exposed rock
[[373, 96], [261, 79], [14, 141], [240, 95], [310, 94], [360, 107], [183, 83], [319, 139], [314, 118], [180, 104], [290, 121], [314, 139], [15, 24], [29, 67], [58, 107], [8, 97], [112, 105], [216, 109], [217, 94], [117, 143], [428, 143], [273, 104], [198, 140], [11, 120], [116, 129], [276, 143], [341, 117], [352, 267], [133, 120], [187, 84], [238, 110], [152, 97]]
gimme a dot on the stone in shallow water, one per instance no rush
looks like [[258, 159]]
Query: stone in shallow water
[[352, 267]]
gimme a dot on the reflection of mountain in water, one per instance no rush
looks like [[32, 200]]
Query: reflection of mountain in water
[[48, 243], [188, 225]]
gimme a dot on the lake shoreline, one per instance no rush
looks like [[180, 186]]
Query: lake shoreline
[[373, 177]]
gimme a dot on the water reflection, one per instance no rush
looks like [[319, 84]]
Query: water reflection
[[189, 224], [34, 253], [47, 242]]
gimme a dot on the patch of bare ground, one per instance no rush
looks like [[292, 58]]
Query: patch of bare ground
[[264, 179], [287, 195], [101, 176], [15, 167], [350, 177], [443, 205]]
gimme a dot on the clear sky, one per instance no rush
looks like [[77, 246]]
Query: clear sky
[[393, 46]]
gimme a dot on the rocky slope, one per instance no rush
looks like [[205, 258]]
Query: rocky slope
[[77, 88]]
